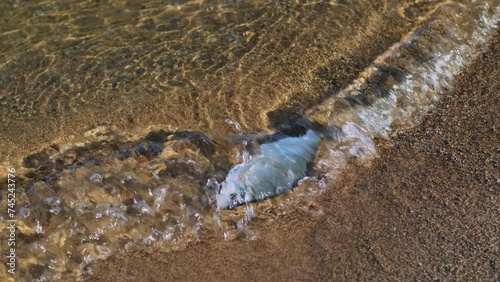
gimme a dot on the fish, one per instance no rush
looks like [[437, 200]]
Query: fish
[[424, 59], [276, 168]]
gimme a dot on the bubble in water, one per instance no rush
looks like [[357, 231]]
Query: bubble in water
[[143, 207], [23, 212], [96, 178], [52, 201], [159, 195], [236, 125]]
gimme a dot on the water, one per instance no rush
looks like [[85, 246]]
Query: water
[[274, 170], [185, 68]]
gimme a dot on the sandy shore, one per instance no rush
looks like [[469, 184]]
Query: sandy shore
[[428, 208]]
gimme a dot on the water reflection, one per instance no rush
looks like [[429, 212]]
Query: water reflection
[[115, 190]]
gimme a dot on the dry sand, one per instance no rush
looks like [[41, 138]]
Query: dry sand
[[428, 208]]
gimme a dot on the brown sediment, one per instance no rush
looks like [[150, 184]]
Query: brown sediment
[[428, 208], [158, 69]]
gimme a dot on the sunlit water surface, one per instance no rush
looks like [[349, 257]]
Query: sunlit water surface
[[115, 190]]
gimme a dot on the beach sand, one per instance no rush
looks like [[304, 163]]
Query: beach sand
[[428, 208], [290, 67]]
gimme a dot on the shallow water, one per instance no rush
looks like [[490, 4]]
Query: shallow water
[[126, 186]]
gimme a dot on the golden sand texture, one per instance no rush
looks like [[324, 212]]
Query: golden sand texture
[[69, 67], [428, 208]]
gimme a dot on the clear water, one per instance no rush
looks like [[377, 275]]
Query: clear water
[[117, 189]]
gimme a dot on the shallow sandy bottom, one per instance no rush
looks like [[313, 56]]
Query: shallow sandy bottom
[[428, 208]]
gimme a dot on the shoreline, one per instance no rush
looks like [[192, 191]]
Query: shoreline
[[427, 208]]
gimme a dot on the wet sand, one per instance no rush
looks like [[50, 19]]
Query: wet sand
[[132, 77], [428, 208]]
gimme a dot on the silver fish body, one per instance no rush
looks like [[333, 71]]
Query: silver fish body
[[276, 169]]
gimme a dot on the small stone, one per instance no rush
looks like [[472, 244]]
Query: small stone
[[140, 71]]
